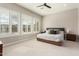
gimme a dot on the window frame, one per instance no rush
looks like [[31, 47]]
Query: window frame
[[18, 25], [23, 15], [5, 11]]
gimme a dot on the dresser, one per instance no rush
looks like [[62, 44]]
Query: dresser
[[1, 48], [71, 37]]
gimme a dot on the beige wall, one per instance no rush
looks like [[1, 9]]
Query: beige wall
[[78, 25], [78, 21], [66, 19]]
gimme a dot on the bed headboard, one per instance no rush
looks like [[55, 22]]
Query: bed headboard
[[60, 29]]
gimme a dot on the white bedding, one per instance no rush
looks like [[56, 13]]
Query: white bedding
[[52, 37]]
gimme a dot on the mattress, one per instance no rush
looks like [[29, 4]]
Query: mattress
[[51, 37]]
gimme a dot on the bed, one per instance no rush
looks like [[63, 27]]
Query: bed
[[56, 39]]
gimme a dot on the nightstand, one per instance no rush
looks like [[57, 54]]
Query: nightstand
[[71, 37], [1, 48]]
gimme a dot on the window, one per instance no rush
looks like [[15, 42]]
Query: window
[[29, 28], [26, 23], [10, 22], [14, 18], [36, 23], [25, 28], [4, 21]]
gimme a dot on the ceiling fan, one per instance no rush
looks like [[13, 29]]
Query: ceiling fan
[[45, 4]]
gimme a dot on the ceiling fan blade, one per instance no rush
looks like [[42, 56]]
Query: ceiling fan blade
[[45, 4], [40, 5], [48, 6]]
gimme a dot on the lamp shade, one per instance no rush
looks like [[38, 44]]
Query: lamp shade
[[68, 31]]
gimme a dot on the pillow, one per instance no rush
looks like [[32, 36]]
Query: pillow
[[47, 31], [61, 32], [53, 32], [56, 29]]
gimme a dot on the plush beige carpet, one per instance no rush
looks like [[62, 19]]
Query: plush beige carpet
[[37, 48]]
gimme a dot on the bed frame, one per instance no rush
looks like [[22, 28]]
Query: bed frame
[[51, 42], [60, 43]]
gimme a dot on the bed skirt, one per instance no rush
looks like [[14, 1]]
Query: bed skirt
[[60, 43]]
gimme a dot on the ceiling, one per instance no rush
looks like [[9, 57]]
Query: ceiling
[[56, 7]]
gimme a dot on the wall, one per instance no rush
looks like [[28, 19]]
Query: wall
[[78, 21], [66, 19], [18, 8], [78, 25], [12, 37]]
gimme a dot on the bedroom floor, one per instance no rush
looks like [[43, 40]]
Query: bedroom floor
[[37, 48]]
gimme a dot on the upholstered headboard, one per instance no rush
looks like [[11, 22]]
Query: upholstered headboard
[[60, 29]]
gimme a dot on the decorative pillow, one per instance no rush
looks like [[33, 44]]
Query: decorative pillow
[[56, 29], [61, 32], [47, 31]]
